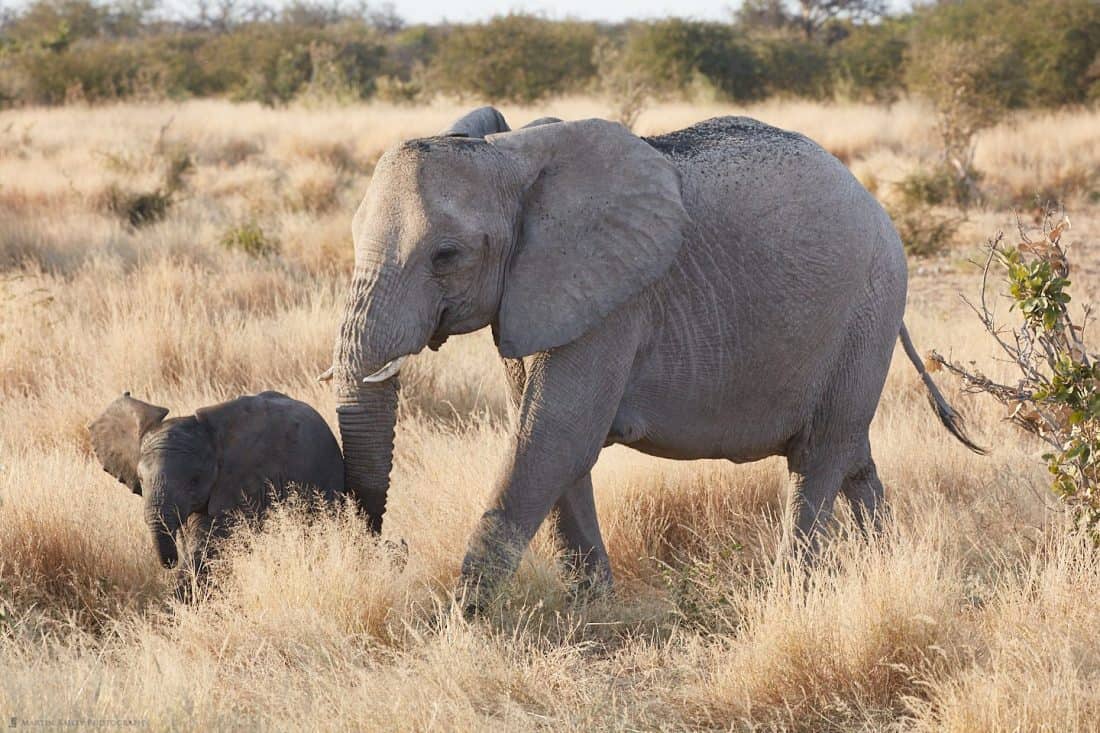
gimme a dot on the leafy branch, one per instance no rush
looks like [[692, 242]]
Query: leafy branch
[[1057, 397]]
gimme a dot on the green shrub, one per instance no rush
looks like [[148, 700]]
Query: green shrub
[[925, 231], [970, 84], [1051, 43], [272, 63], [56, 23], [250, 239], [671, 54], [937, 185], [342, 71], [396, 90], [53, 50], [793, 67], [514, 58], [410, 50], [99, 70], [868, 63]]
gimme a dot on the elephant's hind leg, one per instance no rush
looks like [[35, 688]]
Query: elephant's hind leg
[[863, 490], [579, 530], [832, 448], [817, 472], [832, 453]]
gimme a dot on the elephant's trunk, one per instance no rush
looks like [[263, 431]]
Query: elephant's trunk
[[163, 517], [367, 414], [366, 385]]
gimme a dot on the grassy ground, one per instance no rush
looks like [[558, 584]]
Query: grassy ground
[[976, 611]]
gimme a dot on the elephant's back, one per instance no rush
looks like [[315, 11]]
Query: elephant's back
[[730, 138], [771, 201], [743, 166]]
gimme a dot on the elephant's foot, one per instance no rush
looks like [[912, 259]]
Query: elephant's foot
[[796, 555], [193, 581], [189, 586], [491, 558], [183, 592], [589, 572]]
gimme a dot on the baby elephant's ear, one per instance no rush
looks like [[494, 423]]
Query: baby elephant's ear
[[116, 437]]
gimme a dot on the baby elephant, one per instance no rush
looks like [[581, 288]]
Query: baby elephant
[[197, 469]]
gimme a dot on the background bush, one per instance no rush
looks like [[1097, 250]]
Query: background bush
[[53, 51], [671, 55], [514, 58]]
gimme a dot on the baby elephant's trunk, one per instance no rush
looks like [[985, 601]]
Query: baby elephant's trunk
[[163, 520]]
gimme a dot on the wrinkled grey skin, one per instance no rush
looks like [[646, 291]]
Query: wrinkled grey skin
[[233, 456], [725, 291]]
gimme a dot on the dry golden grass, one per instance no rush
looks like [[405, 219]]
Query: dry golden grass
[[976, 611]]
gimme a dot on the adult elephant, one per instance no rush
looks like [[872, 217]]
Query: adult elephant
[[725, 291]]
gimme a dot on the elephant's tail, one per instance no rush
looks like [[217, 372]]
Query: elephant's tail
[[951, 420]]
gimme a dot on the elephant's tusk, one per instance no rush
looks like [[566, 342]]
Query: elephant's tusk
[[326, 375], [387, 371]]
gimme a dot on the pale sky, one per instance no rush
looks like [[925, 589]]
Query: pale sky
[[431, 11], [434, 11]]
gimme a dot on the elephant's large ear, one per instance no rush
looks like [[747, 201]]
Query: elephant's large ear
[[603, 218], [478, 123], [116, 437]]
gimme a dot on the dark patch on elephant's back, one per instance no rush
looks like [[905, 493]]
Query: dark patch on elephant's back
[[441, 142], [725, 134]]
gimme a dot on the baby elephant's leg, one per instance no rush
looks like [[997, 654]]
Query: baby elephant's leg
[[192, 577]]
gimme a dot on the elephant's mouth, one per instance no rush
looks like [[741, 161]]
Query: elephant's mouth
[[439, 336], [391, 368]]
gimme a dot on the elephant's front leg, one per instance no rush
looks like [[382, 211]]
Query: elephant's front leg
[[577, 526], [579, 529], [569, 401]]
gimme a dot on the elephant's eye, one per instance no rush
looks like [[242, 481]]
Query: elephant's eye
[[445, 256]]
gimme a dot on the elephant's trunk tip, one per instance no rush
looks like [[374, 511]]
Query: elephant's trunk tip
[[163, 520], [166, 550]]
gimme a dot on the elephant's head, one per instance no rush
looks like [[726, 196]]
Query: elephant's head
[[541, 233], [172, 464]]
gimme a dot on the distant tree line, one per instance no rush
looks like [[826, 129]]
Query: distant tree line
[[1038, 52]]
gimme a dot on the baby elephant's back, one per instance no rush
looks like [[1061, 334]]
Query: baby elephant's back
[[322, 462], [314, 456], [283, 440]]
